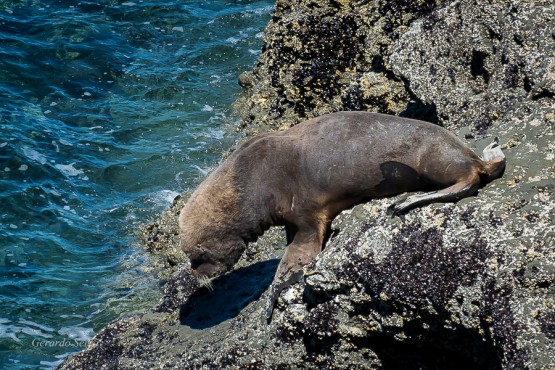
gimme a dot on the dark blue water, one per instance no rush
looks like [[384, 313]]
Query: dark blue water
[[108, 110]]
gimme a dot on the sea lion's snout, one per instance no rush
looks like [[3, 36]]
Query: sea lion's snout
[[201, 266], [210, 259], [208, 270], [204, 264]]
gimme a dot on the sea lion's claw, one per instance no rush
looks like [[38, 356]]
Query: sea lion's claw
[[391, 210], [278, 286], [269, 310], [394, 210], [274, 293]]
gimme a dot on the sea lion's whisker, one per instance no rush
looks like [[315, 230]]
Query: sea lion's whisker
[[205, 281]]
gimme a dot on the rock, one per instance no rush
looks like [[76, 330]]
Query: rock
[[161, 238], [322, 57], [464, 285]]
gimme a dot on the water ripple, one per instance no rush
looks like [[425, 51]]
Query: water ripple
[[107, 112]]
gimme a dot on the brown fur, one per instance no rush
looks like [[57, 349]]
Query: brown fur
[[303, 177]]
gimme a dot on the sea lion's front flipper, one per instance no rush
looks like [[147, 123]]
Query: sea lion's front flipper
[[290, 270]]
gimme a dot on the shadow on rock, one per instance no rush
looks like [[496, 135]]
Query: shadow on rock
[[230, 294]]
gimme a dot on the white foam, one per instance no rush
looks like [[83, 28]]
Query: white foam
[[40, 326], [73, 315], [23, 167], [258, 11], [168, 195], [207, 108], [130, 217], [215, 133], [163, 198], [69, 170], [34, 332], [54, 192], [51, 364], [10, 331], [34, 155], [78, 333], [202, 171]]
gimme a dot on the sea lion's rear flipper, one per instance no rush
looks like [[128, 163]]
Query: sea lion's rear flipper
[[459, 190]]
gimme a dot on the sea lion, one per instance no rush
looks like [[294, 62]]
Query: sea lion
[[305, 176]]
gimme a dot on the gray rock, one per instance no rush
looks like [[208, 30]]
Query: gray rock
[[465, 285]]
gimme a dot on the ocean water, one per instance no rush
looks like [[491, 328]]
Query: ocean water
[[109, 109]]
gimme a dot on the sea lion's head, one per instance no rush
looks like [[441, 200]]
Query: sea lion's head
[[213, 257], [209, 232]]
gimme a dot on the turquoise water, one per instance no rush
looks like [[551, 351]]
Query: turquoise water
[[108, 110]]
